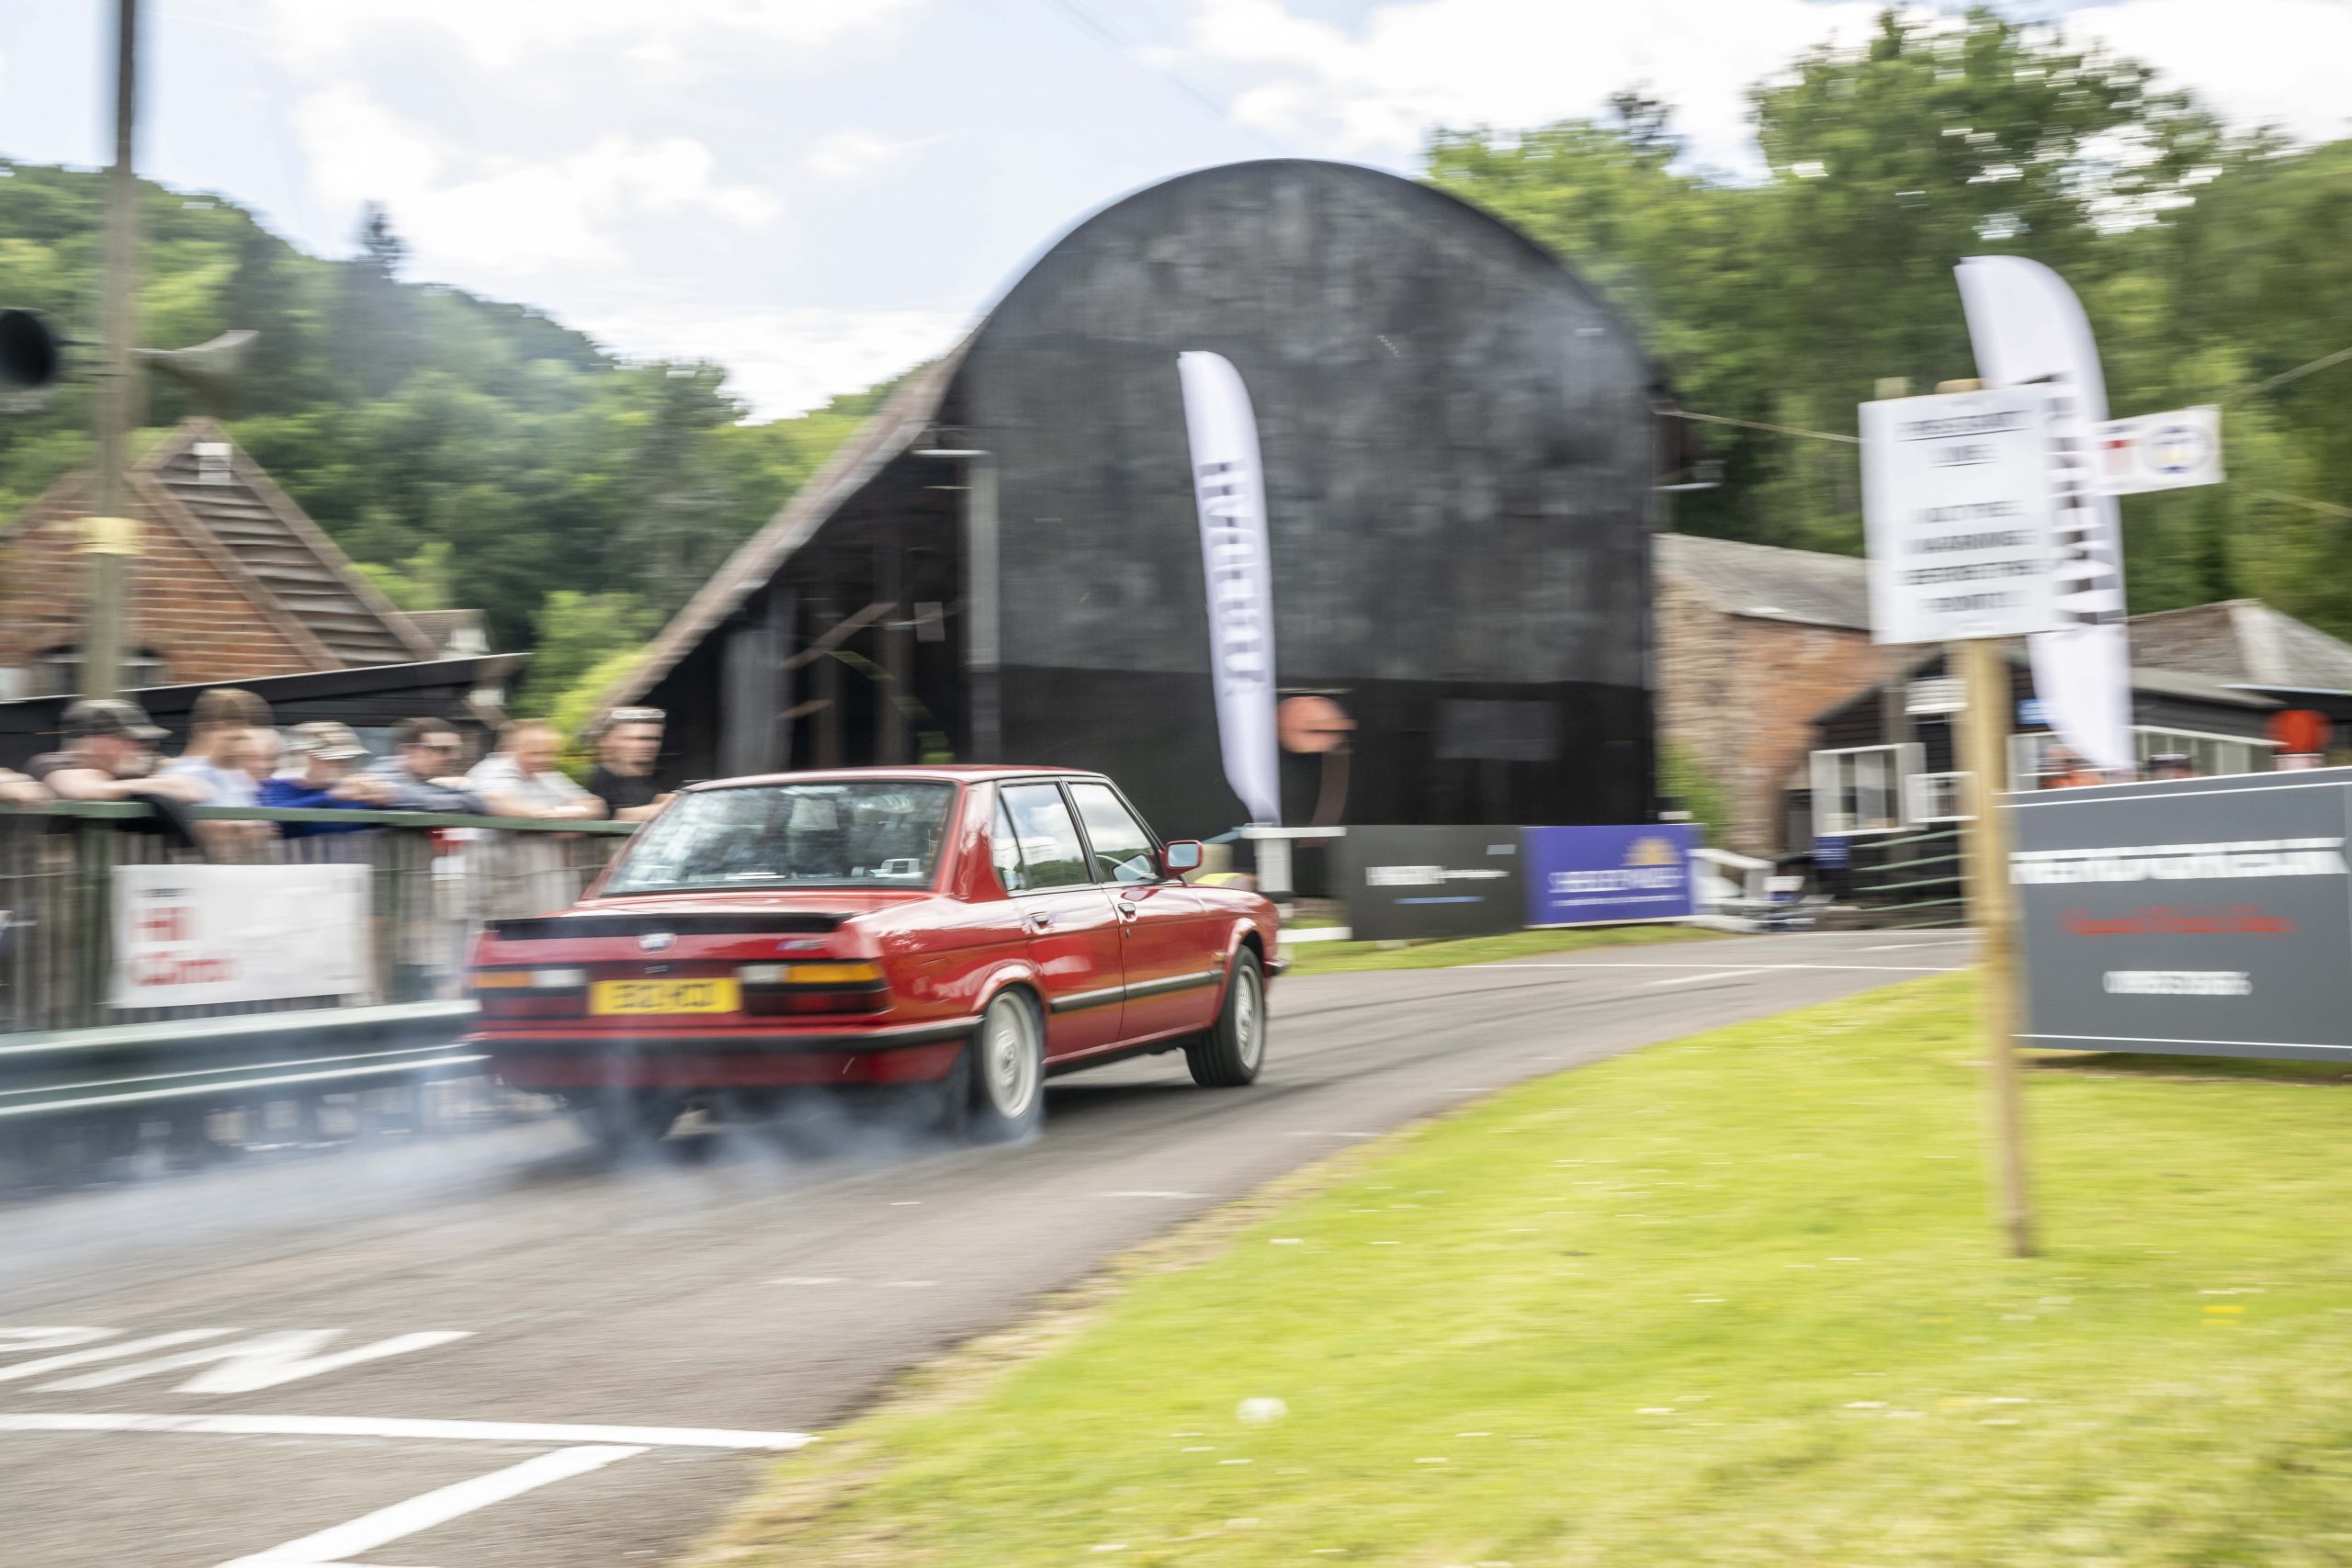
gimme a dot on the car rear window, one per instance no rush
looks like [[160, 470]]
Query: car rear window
[[866, 833]]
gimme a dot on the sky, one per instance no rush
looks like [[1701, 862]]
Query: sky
[[819, 193]]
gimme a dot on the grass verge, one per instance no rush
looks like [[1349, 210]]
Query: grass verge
[[1730, 1301], [1351, 957]]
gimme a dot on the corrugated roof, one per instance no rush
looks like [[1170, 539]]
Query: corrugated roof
[[2245, 642], [1768, 582], [282, 548]]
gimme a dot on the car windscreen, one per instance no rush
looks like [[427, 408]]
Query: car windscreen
[[868, 833]]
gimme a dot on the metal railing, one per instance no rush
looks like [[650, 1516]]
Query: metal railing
[[433, 879], [1908, 881]]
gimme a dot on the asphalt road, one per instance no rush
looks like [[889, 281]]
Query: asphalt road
[[494, 1352]]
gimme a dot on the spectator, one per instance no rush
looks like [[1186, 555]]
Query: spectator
[[2171, 765], [108, 751], [626, 749], [16, 789], [520, 779], [421, 773], [260, 754], [526, 872], [216, 741], [330, 780]]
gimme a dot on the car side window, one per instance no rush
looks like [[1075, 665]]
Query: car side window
[[1123, 850], [1005, 845], [1051, 853]]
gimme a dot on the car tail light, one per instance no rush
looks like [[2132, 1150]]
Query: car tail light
[[833, 986], [530, 993], [530, 979]]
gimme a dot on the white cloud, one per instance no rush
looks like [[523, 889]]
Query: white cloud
[[779, 361], [1376, 92], [503, 214], [501, 34], [846, 154], [2288, 63]]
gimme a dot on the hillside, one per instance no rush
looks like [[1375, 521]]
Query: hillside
[[466, 451]]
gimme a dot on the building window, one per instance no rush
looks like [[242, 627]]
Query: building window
[[1939, 797], [2211, 755], [58, 672], [1861, 790], [2032, 753]]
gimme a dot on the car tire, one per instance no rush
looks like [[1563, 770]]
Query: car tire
[[1233, 1050], [1004, 1070]]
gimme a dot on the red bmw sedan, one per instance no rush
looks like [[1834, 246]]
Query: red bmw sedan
[[967, 930]]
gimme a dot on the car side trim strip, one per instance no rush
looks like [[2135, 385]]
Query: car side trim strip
[[1078, 999], [1074, 1000]]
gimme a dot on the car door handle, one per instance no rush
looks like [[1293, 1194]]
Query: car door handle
[[1040, 919], [1127, 908]]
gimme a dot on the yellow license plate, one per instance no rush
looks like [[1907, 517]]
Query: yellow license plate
[[663, 995]]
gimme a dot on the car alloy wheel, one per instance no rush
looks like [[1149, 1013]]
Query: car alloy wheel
[[1249, 1017], [1008, 1063]]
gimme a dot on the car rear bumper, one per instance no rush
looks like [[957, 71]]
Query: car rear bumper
[[553, 1060]]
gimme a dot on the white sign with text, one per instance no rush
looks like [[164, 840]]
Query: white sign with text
[[2160, 451], [1956, 506], [192, 935]]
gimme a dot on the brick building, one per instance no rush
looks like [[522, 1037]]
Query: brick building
[[234, 585], [1753, 642]]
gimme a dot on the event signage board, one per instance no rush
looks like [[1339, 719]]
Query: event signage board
[[1406, 882], [1957, 502], [1579, 876], [2160, 451], [194, 935], [2204, 916]]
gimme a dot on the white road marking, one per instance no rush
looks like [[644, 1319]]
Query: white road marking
[[1711, 975], [107, 1352], [1152, 1193], [808, 1280], [1756, 969], [1916, 946], [437, 1508], [403, 1427], [12, 1340], [912, 1284], [249, 1365]]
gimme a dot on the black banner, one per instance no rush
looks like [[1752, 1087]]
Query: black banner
[[1401, 883]]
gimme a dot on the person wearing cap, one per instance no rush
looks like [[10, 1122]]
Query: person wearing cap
[[626, 749], [2171, 765], [328, 780], [109, 746]]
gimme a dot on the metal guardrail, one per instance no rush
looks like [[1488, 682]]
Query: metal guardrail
[[1908, 881], [433, 879], [85, 1085]]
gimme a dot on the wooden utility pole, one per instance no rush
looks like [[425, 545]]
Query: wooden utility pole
[[1992, 902], [109, 538]]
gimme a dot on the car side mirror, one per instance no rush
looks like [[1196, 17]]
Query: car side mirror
[[1180, 856]]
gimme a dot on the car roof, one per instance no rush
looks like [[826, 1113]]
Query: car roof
[[941, 773]]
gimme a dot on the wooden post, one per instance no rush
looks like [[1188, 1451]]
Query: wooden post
[[1992, 901]]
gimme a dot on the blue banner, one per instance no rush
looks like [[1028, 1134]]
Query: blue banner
[[1575, 876]]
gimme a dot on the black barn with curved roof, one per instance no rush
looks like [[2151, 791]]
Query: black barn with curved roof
[[1006, 565]]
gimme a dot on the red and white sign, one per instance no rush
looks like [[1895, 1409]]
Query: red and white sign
[[2160, 451], [193, 935]]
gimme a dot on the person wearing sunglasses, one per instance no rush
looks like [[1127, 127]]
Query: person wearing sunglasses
[[426, 770]]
